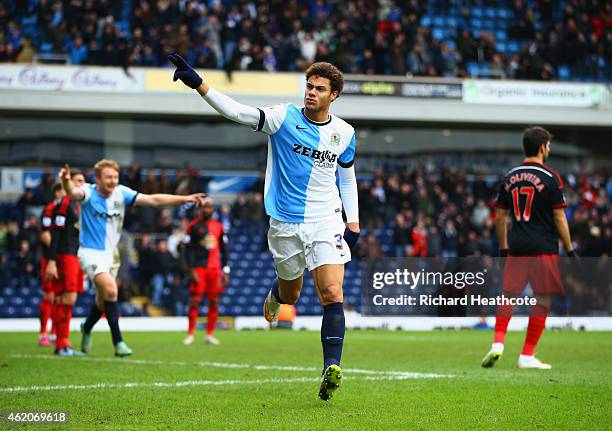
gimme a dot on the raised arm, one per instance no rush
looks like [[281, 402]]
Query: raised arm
[[221, 103], [68, 186], [161, 199]]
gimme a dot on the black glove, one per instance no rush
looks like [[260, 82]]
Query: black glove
[[351, 238], [504, 252], [573, 253], [184, 71]]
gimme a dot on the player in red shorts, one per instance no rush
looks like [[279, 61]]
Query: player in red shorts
[[47, 304], [63, 266], [532, 196], [205, 254]]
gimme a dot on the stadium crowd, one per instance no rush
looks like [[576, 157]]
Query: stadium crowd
[[524, 39], [429, 214]]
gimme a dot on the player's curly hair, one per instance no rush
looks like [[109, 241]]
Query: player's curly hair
[[105, 163], [329, 71]]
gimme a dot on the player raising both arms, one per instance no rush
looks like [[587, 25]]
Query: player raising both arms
[[102, 211], [205, 254], [306, 147], [532, 196], [63, 266], [47, 306]]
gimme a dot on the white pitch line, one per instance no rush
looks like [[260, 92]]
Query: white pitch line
[[404, 374], [185, 384], [156, 384]]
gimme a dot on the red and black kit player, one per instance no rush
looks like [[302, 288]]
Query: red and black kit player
[[531, 195], [205, 254], [63, 266], [47, 304]]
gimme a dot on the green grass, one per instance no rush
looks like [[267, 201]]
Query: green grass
[[575, 394]]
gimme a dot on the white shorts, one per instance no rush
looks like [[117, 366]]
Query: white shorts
[[95, 262], [296, 246]]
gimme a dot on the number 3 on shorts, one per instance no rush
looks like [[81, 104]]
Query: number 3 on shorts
[[338, 237]]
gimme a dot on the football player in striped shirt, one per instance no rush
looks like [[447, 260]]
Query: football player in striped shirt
[[307, 148]]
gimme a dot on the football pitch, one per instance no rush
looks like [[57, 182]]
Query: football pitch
[[269, 380]]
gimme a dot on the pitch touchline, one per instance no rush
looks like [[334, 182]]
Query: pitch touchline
[[181, 384], [399, 374], [155, 384]]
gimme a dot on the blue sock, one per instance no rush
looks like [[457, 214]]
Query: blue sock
[[275, 292], [332, 333]]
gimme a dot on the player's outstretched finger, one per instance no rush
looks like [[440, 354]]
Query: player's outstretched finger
[[65, 171], [178, 60], [172, 59]]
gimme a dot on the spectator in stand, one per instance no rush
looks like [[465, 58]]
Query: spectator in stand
[[402, 238], [240, 209], [419, 239], [166, 266], [25, 264], [146, 263], [367, 38]]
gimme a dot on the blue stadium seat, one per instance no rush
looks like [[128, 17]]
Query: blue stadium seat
[[563, 73], [501, 36], [45, 48], [28, 311], [438, 21], [472, 69], [513, 46], [16, 300], [33, 301], [503, 13]]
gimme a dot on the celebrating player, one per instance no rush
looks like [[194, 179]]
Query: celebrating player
[[205, 255], [532, 195], [63, 266], [102, 211], [47, 305], [306, 146]]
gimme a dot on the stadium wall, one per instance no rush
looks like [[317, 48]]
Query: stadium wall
[[151, 92]]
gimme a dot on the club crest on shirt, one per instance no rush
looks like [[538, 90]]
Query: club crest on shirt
[[335, 139], [209, 242]]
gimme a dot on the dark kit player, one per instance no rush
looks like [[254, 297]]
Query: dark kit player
[[63, 266], [532, 196], [205, 254], [47, 304]]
